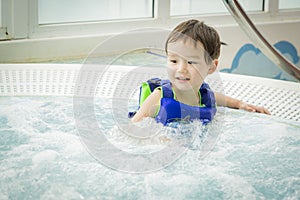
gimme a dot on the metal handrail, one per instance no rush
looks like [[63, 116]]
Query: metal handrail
[[257, 38]]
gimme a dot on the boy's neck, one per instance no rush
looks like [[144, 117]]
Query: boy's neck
[[189, 97]]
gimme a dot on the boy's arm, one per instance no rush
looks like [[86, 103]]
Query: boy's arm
[[149, 106], [223, 100]]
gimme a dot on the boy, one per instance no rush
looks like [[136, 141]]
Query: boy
[[193, 49]]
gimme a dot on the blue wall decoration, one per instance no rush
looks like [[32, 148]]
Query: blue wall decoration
[[249, 60]]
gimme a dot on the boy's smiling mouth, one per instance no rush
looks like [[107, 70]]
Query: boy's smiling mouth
[[183, 78]]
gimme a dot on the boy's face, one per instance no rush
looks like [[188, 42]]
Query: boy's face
[[187, 67]]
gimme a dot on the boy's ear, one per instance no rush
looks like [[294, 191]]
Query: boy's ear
[[213, 66]]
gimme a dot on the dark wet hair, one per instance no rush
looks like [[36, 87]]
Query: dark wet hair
[[196, 30]]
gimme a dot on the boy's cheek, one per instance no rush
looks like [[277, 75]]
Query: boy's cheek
[[171, 72], [171, 69]]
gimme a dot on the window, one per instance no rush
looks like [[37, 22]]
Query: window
[[190, 7], [0, 13], [289, 4], [48, 18], [65, 11], [2, 23]]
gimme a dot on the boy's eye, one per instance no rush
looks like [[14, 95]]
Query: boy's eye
[[173, 61], [192, 62]]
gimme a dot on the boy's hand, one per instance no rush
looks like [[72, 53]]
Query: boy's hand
[[252, 108]]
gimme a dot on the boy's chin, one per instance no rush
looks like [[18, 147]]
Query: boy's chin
[[184, 87]]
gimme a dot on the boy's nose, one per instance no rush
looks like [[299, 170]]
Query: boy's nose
[[182, 66]]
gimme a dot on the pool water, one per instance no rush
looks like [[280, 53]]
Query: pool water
[[42, 156]]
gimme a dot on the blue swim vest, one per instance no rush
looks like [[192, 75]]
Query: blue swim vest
[[172, 110]]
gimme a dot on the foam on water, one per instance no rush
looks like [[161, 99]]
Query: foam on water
[[42, 157]]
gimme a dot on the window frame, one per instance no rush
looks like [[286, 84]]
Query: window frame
[[20, 20]]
